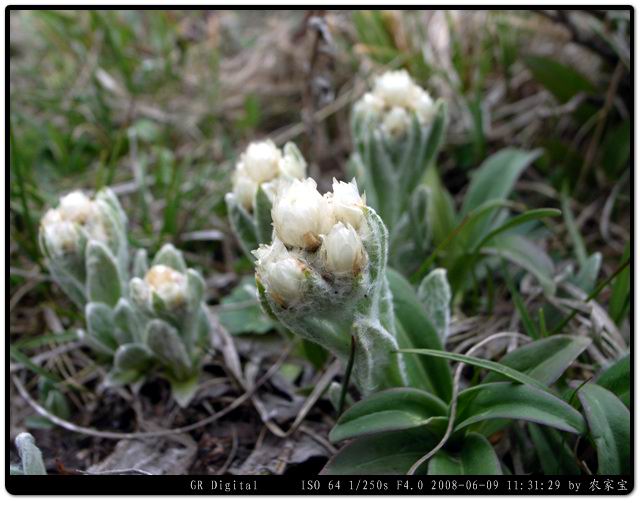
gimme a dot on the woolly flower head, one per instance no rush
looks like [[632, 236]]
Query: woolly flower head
[[62, 226], [168, 284], [394, 97], [342, 251], [346, 202], [263, 163], [301, 214], [281, 272]]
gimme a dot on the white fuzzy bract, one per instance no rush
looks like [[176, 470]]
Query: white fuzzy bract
[[169, 284], [264, 164], [301, 214], [281, 272], [342, 250], [392, 101]]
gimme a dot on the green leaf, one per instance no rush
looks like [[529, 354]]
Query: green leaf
[[140, 263], [476, 457], [524, 253], [419, 217], [383, 454], [101, 326], [619, 300], [262, 213], [554, 453], [171, 257], [243, 225], [103, 278], [415, 322], [195, 289], [240, 311], [562, 81], [442, 215], [544, 360], [494, 180], [435, 294], [505, 400], [617, 379], [165, 343], [128, 321], [482, 363], [610, 428], [530, 215], [30, 455], [183, 391], [389, 410], [133, 357], [529, 327]]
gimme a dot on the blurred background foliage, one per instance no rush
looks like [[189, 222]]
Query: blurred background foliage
[[157, 105]]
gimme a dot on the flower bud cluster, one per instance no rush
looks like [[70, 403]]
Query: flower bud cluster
[[316, 235], [394, 99], [264, 164]]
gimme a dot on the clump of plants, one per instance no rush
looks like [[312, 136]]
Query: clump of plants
[[144, 319]]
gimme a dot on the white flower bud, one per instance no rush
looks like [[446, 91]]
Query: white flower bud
[[342, 250], [280, 271], [369, 105], [244, 188], [346, 202], [61, 236], [261, 161], [423, 105], [62, 226], [394, 88], [396, 122], [292, 164], [301, 214], [169, 284]]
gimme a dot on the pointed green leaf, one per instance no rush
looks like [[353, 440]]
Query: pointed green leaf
[[262, 213], [389, 410], [243, 226], [609, 427], [435, 294], [617, 379], [527, 255], [545, 360], [482, 363], [505, 400], [415, 321], [494, 179]]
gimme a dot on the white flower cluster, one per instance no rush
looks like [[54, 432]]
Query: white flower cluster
[[62, 226], [393, 100], [312, 232], [169, 284], [264, 164]]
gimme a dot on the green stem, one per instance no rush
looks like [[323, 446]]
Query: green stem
[[347, 376]]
